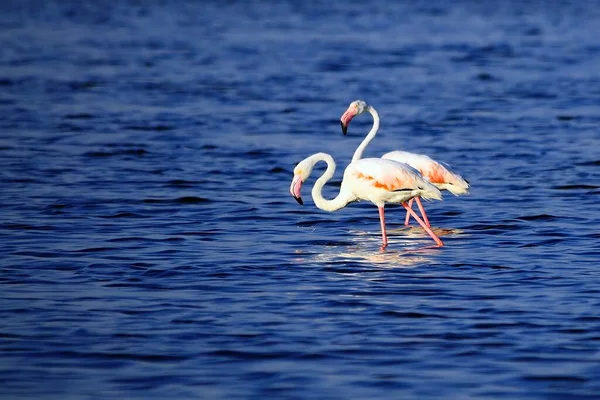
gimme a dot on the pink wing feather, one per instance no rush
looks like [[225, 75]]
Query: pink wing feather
[[387, 174], [434, 171]]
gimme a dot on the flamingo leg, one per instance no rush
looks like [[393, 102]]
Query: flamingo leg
[[422, 211], [427, 229], [407, 219], [383, 233]]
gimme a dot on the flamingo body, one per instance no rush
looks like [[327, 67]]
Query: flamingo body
[[435, 172], [386, 181], [377, 180]]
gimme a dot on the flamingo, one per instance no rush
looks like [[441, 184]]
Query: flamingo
[[435, 172], [377, 180]]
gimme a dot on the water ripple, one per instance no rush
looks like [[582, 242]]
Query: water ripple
[[152, 250]]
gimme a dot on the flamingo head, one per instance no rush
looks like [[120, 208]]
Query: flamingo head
[[301, 174], [355, 108]]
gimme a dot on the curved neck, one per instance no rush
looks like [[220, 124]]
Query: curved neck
[[341, 200], [359, 151]]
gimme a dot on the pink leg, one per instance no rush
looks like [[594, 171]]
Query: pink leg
[[407, 213], [422, 211], [420, 221], [383, 234]]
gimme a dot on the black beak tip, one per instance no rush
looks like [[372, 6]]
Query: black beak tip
[[299, 200], [344, 128]]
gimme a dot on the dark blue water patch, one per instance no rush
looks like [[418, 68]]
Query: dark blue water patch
[[139, 239], [95, 250], [182, 183], [486, 77], [251, 355], [7, 101], [484, 54], [555, 380], [534, 92], [567, 118], [208, 234], [336, 65], [258, 153], [125, 215], [540, 217], [594, 163], [279, 170], [27, 227], [69, 127], [84, 85], [113, 356], [410, 315], [7, 82], [157, 127], [179, 200], [544, 243], [140, 152], [576, 187], [56, 208], [497, 227]]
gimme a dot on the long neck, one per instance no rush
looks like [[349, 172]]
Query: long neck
[[359, 151], [341, 200]]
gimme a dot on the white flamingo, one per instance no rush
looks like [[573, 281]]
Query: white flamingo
[[437, 173], [377, 180]]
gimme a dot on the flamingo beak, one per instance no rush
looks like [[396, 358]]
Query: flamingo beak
[[346, 118], [295, 189]]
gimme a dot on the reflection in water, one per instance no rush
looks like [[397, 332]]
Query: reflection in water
[[409, 247], [368, 256], [387, 258]]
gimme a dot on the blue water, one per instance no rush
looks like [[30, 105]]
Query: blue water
[[151, 249]]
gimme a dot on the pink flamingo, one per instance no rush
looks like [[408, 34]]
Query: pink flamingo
[[435, 172], [377, 180]]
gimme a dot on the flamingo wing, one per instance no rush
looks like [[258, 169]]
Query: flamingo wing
[[437, 173], [386, 174]]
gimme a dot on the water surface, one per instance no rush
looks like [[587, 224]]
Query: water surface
[[151, 248]]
